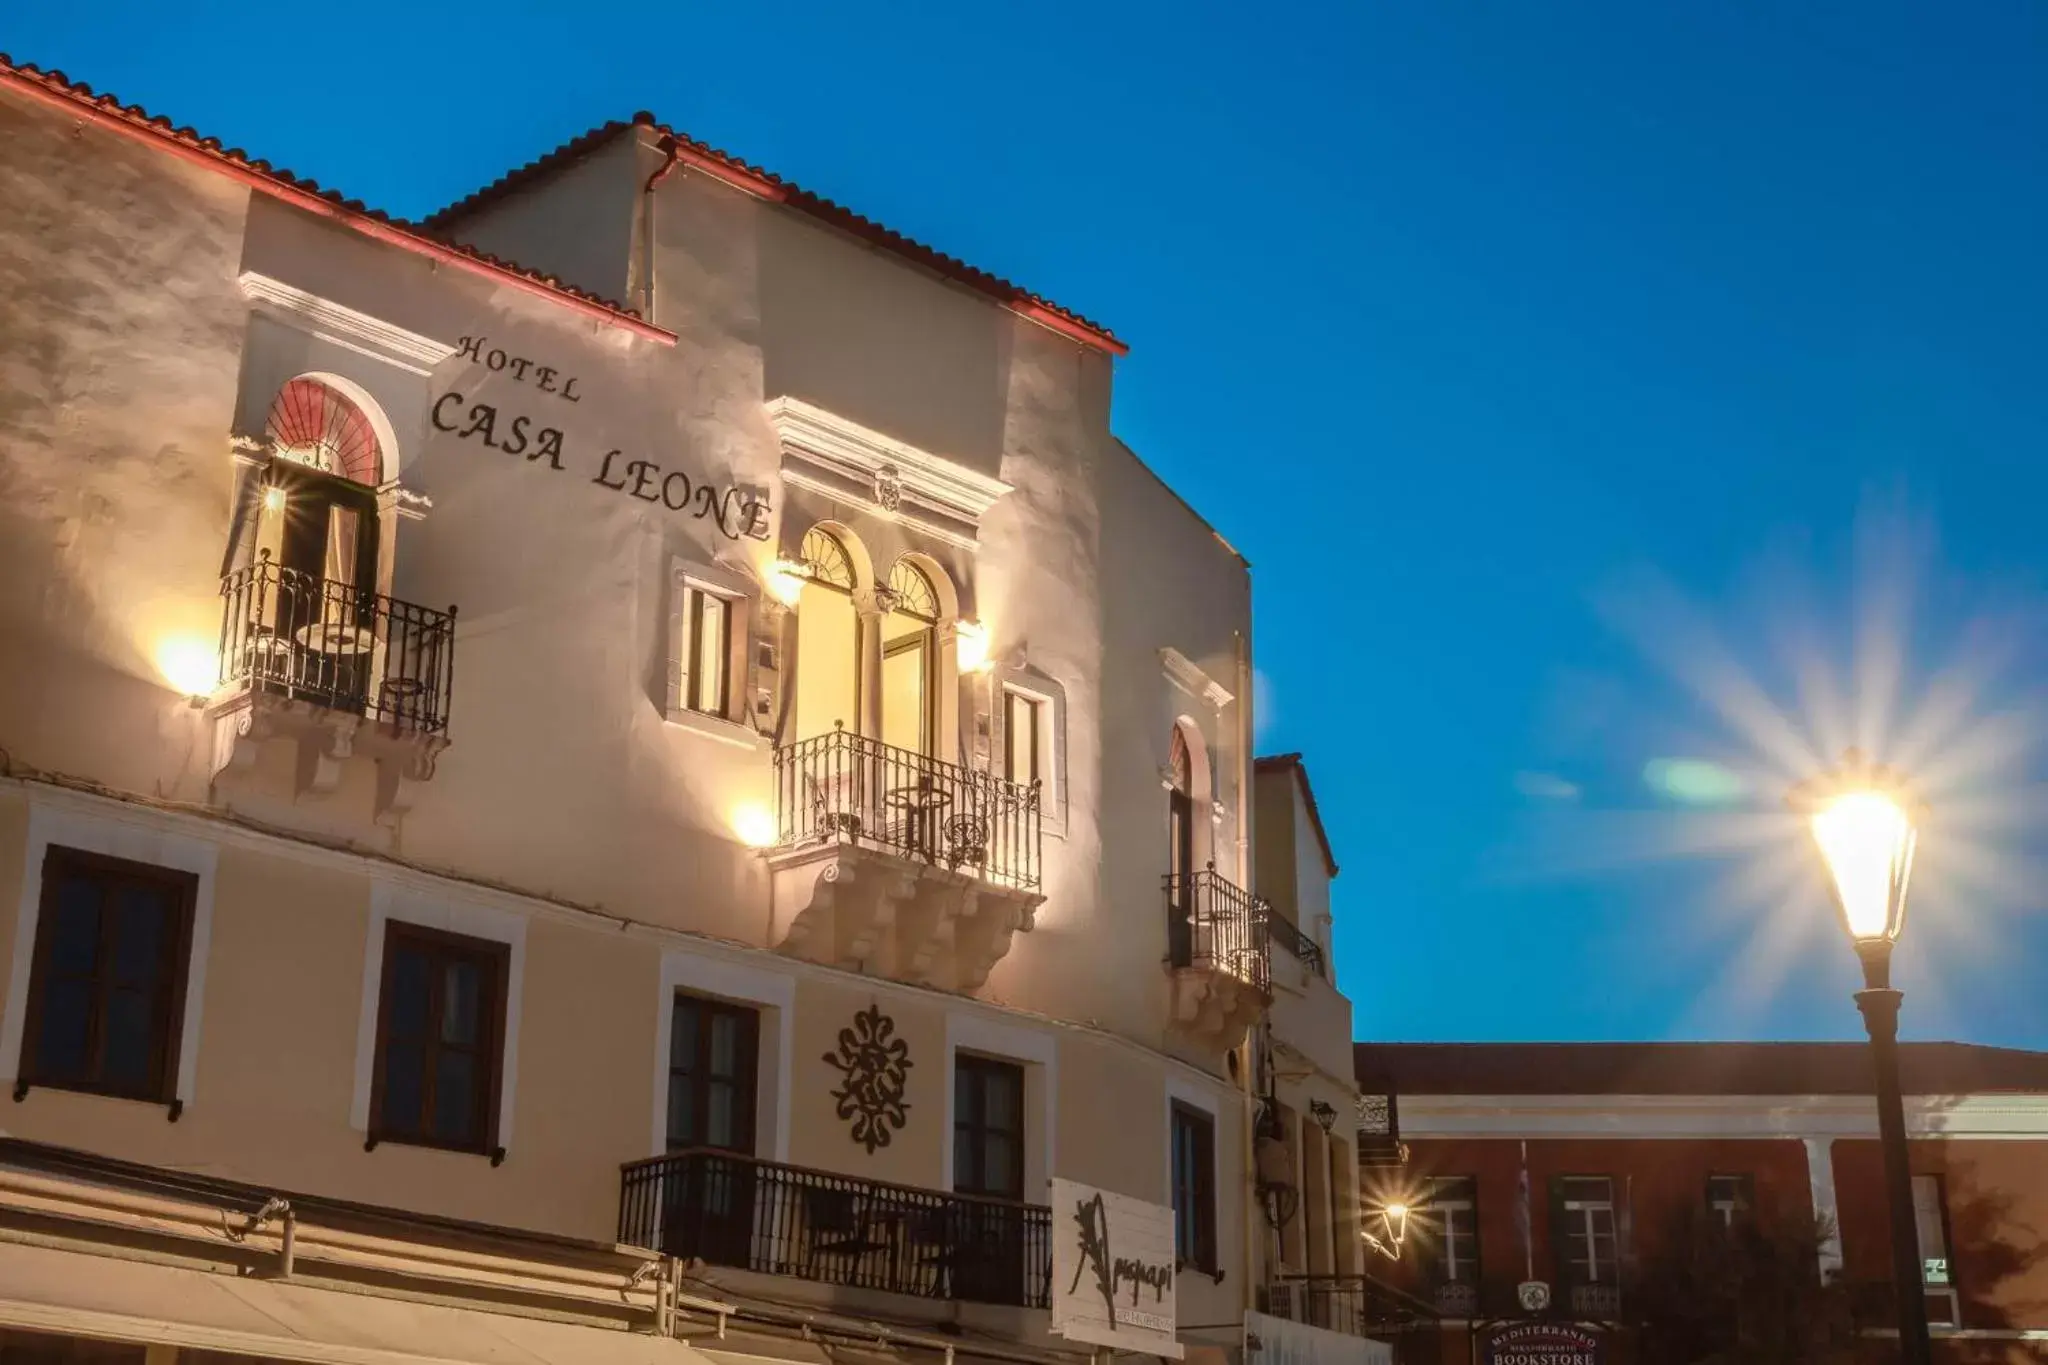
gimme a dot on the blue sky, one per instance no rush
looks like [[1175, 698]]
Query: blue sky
[[1592, 387]]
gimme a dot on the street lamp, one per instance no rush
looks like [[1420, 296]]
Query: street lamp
[[1863, 827], [1393, 1221]]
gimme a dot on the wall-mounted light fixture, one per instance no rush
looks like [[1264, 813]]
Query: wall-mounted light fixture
[[1392, 1230], [1325, 1114], [189, 664], [970, 639], [786, 579]]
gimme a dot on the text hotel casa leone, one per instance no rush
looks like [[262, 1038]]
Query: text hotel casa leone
[[736, 512]]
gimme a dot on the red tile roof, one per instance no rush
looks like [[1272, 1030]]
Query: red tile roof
[[1689, 1068], [767, 185], [54, 88], [1293, 763]]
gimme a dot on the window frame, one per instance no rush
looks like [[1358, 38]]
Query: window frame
[[1935, 1181], [746, 1076], [976, 1123], [1731, 1210], [443, 944], [1585, 1235], [1038, 706], [1194, 1238], [692, 698], [175, 965], [1445, 1260]]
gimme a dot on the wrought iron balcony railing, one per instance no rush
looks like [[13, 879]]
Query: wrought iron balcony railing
[[1455, 1298], [849, 788], [1357, 1305], [336, 646], [1306, 950], [735, 1211], [1214, 924], [1594, 1300]]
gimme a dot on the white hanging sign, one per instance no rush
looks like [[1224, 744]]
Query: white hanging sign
[[1112, 1270]]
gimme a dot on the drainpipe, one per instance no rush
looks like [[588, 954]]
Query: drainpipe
[[670, 152]]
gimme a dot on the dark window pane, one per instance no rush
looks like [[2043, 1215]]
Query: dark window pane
[[725, 1042], [1001, 1173], [75, 928], [404, 1087], [461, 988], [455, 1096], [682, 1129], [412, 977], [682, 1044], [719, 1120], [141, 917], [127, 1042], [65, 1030]]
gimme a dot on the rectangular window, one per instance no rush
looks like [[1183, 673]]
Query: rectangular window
[[713, 1049], [1452, 1213], [107, 980], [1194, 1187], [1024, 735], [988, 1127], [1587, 1245], [1930, 1222], [440, 1039], [1729, 1198], [707, 651]]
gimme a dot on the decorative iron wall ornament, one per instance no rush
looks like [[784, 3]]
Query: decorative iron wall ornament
[[876, 1067]]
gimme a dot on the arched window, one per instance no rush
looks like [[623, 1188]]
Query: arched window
[[828, 638], [1180, 854], [830, 565], [316, 519], [313, 425], [910, 661]]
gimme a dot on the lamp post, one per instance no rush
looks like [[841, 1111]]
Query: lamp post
[[1864, 831]]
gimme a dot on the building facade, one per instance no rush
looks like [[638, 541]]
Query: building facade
[[665, 790], [1575, 1166]]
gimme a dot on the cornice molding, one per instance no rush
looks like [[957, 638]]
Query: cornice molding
[[1188, 676], [828, 454], [344, 326], [1625, 1117]]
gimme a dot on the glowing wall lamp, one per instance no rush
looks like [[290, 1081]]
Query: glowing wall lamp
[[189, 664], [970, 642], [1393, 1230], [786, 579], [1862, 826], [754, 825]]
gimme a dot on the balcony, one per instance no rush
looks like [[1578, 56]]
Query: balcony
[[337, 669], [890, 861], [1300, 946], [1455, 1299], [758, 1216], [1602, 1301], [1216, 938], [1356, 1305]]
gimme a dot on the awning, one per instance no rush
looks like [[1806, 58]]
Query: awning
[[71, 1293]]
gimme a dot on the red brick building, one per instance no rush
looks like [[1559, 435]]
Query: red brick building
[[1563, 1164]]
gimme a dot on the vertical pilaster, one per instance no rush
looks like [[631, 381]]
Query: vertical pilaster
[[1820, 1178]]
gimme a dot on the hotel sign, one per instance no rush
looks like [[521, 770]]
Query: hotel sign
[[735, 511], [1112, 1270], [1542, 1343]]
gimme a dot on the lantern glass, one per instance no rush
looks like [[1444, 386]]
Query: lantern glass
[[1866, 839]]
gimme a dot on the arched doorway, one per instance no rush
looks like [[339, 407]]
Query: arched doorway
[[828, 638], [1180, 849], [910, 661]]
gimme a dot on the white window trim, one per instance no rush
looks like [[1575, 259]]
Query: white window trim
[[429, 911], [743, 600], [110, 837], [1029, 682], [688, 973], [990, 1038], [1452, 1260]]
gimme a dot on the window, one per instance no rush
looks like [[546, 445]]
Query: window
[[1930, 1221], [1024, 736], [1585, 1234], [107, 981], [1452, 1210], [988, 1127], [1194, 1188], [1729, 1197], [440, 1032], [712, 1056], [706, 651]]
